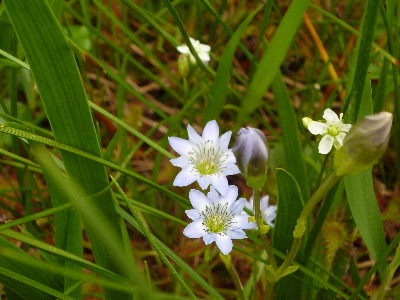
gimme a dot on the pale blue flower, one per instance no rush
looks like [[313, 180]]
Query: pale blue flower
[[217, 218], [205, 159]]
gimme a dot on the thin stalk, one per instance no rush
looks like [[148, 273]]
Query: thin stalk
[[260, 223], [235, 278]]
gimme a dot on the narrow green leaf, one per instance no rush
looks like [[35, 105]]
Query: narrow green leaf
[[364, 45], [362, 199], [273, 57], [12, 271], [290, 135], [219, 88], [290, 204], [57, 76]]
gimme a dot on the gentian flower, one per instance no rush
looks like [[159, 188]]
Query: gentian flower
[[205, 159], [217, 218], [268, 212], [201, 49], [251, 154], [333, 131]]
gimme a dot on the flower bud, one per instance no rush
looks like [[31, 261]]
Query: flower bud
[[364, 144], [183, 65], [251, 154], [307, 121]]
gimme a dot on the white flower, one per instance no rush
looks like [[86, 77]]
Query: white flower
[[333, 131], [268, 212], [206, 159], [217, 218], [201, 49]]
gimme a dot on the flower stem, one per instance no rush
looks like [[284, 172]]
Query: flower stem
[[207, 260], [235, 278], [298, 232], [260, 222]]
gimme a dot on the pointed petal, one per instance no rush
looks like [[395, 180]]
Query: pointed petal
[[211, 132], [219, 182], [231, 170], [330, 116], [181, 162], [223, 141], [325, 145], [193, 135], [192, 214], [181, 146], [199, 200], [317, 127], [204, 48], [203, 181], [237, 234], [224, 243], [238, 206], [242, 222], [231, 193], [194, 230], [185, 177], [209, 238]]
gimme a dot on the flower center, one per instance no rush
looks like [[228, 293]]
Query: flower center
[[333, 130], [206, 165], [207, 159], [217, 218]]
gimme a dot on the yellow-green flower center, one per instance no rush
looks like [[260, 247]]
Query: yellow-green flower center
[[207, 165], [217, 218], [333, 130]]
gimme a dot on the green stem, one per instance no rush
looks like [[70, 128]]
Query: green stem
[[389, 276], [298, 232], [235, 278], [260, 222], [207, 260]]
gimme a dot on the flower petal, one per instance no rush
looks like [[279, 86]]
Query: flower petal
[[199, 200], [325, 145], [224, 243], [330, 116], [185, 177], [183, 49], [344, 127], [219, 182], [193, 135], [194, 230], [192, 213], [204, 56], [340, 137], [317, 127], [223, 141], [204, 182], [211, 132], [237, 234], [209, 238], [231, 194], [181, 162], [181, 146]]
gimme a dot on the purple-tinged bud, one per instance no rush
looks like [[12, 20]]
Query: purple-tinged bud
[[364, 144], [251, 154]]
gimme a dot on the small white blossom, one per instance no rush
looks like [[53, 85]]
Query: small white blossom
[[205, 159], [217, 218], [333, 131], [268, 212], [201, 49]]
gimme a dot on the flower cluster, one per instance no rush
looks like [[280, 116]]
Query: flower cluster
[[217, 216]]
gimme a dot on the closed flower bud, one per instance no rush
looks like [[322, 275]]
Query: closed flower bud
[[364, 144], [306, 121], [251, 154]]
